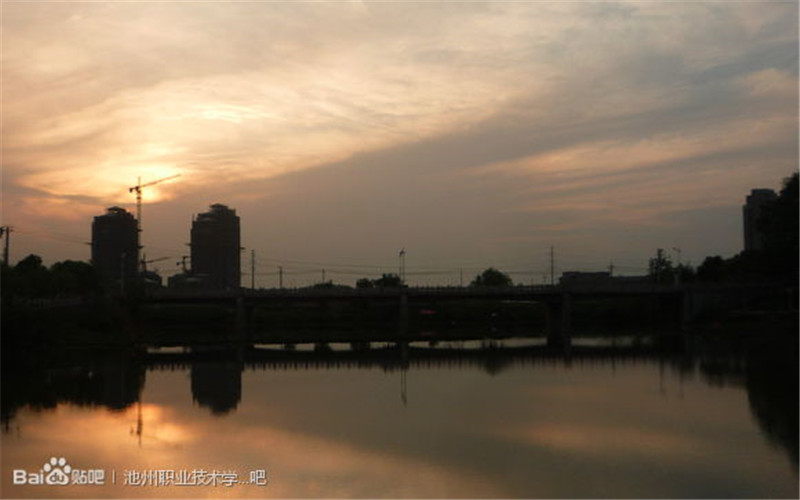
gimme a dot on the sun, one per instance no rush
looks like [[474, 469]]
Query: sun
[[153, 181]]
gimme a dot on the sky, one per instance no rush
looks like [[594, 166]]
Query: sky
[[470, 134]]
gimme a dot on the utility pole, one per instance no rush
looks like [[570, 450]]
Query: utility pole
[[280, 277], [323, 275], [552, 266], [461, 277], [252, 269], [402, 270], [6, 230], [611, 269]]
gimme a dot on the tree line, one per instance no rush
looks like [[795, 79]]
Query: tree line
[[30, 278], [777, 262]]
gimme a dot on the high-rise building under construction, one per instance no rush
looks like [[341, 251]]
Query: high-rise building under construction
[[115, 246], [216, 247], [751, 212]]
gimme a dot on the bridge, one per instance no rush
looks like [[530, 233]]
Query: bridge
[[556, 299], [687, 302], [536, 292]]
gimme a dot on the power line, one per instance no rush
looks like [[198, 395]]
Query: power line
[[52, 236]]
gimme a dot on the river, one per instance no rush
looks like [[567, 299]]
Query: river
[[617, 418]]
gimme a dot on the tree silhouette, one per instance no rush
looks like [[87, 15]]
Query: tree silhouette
[[364, 283], [779, 225], [388, 281], [660, 267], [31, 278], [491, 277]]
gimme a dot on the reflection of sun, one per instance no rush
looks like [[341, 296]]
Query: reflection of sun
[[151, 423]]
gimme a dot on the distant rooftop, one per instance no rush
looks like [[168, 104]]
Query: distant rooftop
[[217, 210], [115, 211]]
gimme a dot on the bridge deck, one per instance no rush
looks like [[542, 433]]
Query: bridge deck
[[543, 292]]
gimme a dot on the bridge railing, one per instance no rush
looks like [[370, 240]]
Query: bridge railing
[[422, 291]]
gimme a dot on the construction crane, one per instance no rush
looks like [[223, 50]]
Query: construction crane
[[182, 263], [138, 189], [143, 262]]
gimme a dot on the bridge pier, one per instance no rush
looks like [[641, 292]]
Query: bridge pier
[[243, 317], [558, 321], [402, 323]]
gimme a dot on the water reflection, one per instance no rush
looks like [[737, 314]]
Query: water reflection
[[492, 420], [217, 383], [42, 381]]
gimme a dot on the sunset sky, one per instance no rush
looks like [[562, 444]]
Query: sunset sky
[[470, 134]]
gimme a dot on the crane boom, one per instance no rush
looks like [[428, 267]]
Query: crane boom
[[138, 189], [144, 261], [159, 181]]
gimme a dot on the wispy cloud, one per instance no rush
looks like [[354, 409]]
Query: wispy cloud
[[552, 106]]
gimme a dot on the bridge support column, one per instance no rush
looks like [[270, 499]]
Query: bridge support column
[[402, 323], [243, 314], [558, 321]]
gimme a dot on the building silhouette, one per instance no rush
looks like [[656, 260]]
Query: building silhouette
[[217, 385], [216, 248], [751, 211], [115, 245]]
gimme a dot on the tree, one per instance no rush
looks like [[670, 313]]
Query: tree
[[685, 273], [660, 267], [364, 283], [777, 261], [388, 281], [712, 269], [74, 277], [31, 278], [491, 277], [779, 225]]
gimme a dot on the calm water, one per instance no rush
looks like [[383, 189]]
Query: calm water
[[697, 421]]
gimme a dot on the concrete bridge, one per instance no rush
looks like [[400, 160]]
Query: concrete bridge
[[556, 299], [687, 301]]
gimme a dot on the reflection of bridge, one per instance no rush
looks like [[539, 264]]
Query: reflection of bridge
[[556, 299], [216, 372], [116, 378], [490, 357]]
